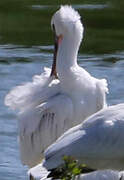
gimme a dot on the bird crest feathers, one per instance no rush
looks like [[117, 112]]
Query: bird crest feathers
[[68, 13]]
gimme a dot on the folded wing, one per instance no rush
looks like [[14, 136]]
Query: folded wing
[[42, 126], [97, 142]]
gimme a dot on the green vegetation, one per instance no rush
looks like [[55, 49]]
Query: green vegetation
[[22, 22], [70, 169]]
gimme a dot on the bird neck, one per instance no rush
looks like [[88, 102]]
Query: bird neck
[[67, 55]]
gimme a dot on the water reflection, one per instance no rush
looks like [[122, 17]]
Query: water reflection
[[91, 6], [18, 53], [35, 53], [40, 7], [76, 6]]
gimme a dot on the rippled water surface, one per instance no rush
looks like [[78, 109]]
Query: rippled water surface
[[26, 46]]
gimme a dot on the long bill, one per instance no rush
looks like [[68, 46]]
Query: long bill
[[53, 71]]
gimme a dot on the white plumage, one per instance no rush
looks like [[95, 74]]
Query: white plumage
[[98, 142], [48, 106]]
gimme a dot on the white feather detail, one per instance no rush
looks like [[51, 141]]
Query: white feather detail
[[67, 13], [97, 142], [41, 126], [32, 93]]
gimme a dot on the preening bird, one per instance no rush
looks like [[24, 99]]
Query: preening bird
[[98, 142], [58, 100]]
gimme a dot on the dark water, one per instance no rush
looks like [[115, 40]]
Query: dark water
[[26, 47]]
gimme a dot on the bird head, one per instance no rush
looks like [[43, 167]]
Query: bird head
[[65, 23]]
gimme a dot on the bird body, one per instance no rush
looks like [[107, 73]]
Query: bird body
[[75, 81], [97, 142], [48, 106], [90, 94]]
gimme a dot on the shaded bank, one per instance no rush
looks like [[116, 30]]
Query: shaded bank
[[28, 23]]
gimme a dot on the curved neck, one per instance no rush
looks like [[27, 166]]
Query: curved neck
[[67, 54]]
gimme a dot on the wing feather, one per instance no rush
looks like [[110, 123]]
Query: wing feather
[[97, 142], [31, 94], [40, 127]]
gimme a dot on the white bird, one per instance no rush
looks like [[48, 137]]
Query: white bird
[[49, 106], [98, 142]]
